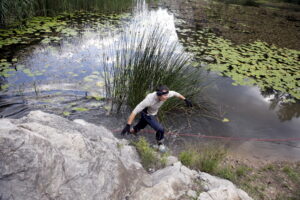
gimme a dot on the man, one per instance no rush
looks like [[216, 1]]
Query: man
[[149, 108]]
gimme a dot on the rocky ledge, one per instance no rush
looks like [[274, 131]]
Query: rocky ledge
[[44, 156]]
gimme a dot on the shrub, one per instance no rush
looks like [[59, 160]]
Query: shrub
[[147, 154], [206, 159], [142, 60]]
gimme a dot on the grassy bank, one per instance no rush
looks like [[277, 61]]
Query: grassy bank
[[269, 181], [275, 181]]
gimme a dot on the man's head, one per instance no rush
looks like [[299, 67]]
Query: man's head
[[162, 92]]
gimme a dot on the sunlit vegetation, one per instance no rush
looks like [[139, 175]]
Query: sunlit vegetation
[[19, 10]]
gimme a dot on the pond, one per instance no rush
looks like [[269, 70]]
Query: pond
[[251, 68]]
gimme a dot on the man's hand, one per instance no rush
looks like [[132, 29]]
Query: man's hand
[[126, 129], [188, 103]]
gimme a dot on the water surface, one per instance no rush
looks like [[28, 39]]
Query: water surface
[[66, 78]]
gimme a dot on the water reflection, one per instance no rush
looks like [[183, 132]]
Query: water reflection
[[76, 64], [59, 78]]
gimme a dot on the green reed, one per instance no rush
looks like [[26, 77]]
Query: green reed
[[17, 10], [144, 60]]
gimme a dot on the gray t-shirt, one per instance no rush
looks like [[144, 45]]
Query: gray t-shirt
[[152, 103]]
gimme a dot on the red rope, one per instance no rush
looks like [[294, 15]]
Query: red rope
[[220, 137]]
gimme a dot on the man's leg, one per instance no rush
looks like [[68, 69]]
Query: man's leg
[[140, 125], [151, 120]]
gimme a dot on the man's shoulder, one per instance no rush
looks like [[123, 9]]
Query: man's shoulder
[[151, 95], [172, 93]]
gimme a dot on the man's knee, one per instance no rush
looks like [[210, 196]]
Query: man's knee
[[160, 135], [161, 130]]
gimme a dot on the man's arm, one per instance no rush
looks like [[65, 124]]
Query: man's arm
[[181, 97], [143, 104], [131, 118], [188, 103]]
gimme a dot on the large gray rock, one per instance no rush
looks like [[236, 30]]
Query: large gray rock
[[44, 156], [217, 188], [171, 182]]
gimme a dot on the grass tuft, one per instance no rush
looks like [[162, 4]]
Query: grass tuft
[[206, 159], [149, 157]]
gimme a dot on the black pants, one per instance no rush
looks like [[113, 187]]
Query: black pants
[[151, 120]]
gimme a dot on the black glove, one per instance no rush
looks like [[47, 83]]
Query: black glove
[[188, 103], [126, 129]]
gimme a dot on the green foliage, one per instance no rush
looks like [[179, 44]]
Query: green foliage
[[150, 158], [206, 159], [19, 10], [147, 154], [79, 109], [145, 60], [291, 173], [227, 173], [210, 159], [268, 167], [187, 157], [66, 113], [242, 170], [163, 159]]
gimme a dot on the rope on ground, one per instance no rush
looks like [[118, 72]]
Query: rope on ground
[[220, 137]]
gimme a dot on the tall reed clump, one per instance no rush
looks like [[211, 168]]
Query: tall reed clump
[[144, 60], [17, 10]]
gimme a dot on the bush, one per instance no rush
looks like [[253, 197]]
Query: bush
[[149, 157], [205, 159], [147, 154], [227, 173], [144, 59], [187, 157]]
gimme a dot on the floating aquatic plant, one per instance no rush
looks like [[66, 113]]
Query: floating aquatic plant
[[257, 63], [79, 109], [52, 29]]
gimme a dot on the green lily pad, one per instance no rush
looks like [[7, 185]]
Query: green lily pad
[[80, 109], [256, 63], [4, 87], [66, 113]]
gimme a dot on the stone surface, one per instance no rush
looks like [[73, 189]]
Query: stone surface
[[171, 160], [220, 189], [169, 183], [44, 156], [192, 193]]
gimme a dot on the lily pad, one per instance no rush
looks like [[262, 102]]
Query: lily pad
[[258, 63], [66, 113], [80, 109]]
